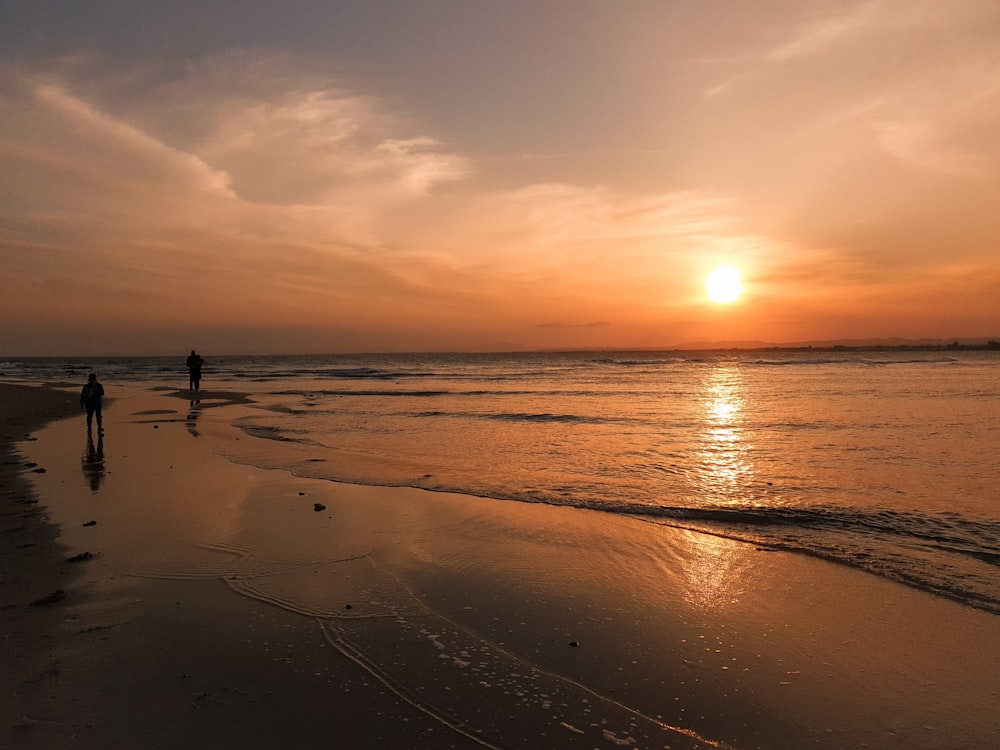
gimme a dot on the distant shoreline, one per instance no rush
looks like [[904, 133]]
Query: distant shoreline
[[992, 344], [989, 346]]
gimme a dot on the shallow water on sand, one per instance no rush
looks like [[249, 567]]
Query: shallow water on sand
[[879, 460], [516, 625]]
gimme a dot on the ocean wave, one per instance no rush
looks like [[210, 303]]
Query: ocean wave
[[857, 361], [433, 393], [943, 554], [277, 434], [942, 528], [389, 393], [543, 417], [660, 361], [518, 417]]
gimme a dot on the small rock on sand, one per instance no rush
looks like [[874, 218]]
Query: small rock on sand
[[56, 596]]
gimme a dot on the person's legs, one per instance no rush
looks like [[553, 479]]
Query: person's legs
[[100, 422], [90, 418]]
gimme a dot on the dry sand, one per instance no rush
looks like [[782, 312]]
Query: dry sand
[[215, 606]]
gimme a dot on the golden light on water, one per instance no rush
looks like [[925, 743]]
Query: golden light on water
[[718, 570], [725, 465]]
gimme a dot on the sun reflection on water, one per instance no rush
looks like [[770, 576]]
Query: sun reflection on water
[[718, 571], [725, 465]]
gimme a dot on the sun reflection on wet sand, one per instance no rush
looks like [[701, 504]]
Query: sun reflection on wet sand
[[716, 571]]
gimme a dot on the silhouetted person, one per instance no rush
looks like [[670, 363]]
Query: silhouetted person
[[194, 363], [93, 462], [90, 399]]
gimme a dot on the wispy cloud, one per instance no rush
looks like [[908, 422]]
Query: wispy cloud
[[562, 326], [923, 144], [828, 26], [257, 191], [314, 197]]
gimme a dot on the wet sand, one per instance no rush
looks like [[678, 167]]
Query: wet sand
[[215, 604], [30, 555]]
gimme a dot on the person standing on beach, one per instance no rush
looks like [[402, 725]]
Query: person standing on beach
[[194, 363], [90, 399]]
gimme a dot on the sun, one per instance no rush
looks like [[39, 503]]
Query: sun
[[724, 284]]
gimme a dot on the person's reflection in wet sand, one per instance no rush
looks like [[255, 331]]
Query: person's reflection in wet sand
[[93, 461], [192, 418]]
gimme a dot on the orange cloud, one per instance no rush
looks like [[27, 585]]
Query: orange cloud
[[251, 194]]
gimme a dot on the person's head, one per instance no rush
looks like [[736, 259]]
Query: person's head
[[92, 377], [193, 351]]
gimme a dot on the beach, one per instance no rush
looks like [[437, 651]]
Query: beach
[[211, 603]]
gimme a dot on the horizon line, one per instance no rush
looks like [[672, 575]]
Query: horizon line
[[989, 343]]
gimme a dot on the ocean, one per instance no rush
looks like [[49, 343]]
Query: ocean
[[885, 461]]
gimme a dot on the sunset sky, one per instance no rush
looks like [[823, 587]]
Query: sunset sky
[[386, 175]]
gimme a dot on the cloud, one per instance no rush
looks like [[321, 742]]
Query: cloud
[[241, 138], [871, 45], [889, 26], [69, 163], [114, 138], [288, 135], [588, 241], [946, 121], [256, 192], [225, 193], [813, 31], [924, 145], [563, 326], [172, 198], [824, 29]]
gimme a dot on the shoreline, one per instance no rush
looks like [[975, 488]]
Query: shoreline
[[221, 605], [33, 575], [93, 658]]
